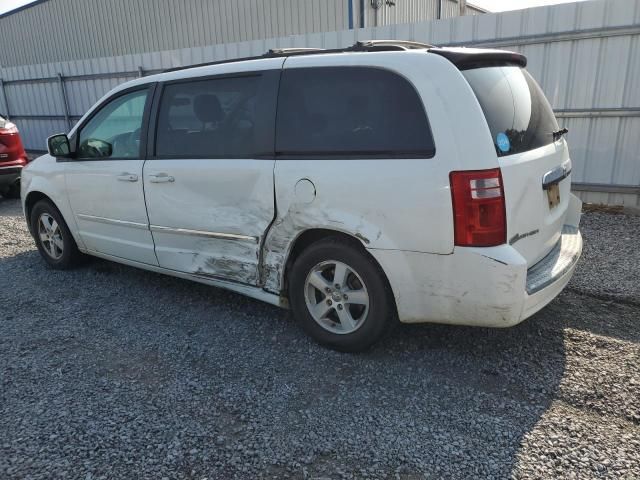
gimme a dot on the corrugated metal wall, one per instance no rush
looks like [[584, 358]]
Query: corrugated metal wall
[[404, 11], [73, 29], [60, 30], [473, 10], [407, 11], [585, 55]]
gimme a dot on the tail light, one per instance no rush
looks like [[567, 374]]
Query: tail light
[[11, 148], [478, 208], [8, 128]]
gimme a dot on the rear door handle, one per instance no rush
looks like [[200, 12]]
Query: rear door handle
[[556, 175], [161, 178], [127, 177]]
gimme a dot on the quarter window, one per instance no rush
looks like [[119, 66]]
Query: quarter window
[[114, 132], [226, 117], [351, 112]]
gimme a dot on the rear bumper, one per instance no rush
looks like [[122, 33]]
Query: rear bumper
[[489, 287], [9, 175], [547, 278]]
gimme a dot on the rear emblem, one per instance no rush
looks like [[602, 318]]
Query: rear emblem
[[520, 236]]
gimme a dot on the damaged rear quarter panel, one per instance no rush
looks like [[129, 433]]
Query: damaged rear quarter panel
[[369, 200], [475, 287], [395, 204]]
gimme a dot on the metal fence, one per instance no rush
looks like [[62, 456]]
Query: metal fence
[[585, 55]]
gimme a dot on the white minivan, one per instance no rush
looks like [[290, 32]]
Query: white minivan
[[385, 181]]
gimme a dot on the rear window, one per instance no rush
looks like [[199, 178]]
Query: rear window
[[519, 116], [350, 112]]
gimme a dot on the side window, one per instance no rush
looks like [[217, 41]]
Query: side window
[[351, 111], [114, 132], [225, 117]]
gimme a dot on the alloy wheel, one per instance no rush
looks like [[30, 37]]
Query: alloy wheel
[[50, 236], [336, 297]]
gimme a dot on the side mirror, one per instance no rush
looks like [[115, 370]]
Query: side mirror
[[58, 145]]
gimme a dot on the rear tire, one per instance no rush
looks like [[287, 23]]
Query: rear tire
[[53, 238], [340, 295]]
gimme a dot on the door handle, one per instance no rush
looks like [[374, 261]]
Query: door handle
[[161, 178], [127, 177]]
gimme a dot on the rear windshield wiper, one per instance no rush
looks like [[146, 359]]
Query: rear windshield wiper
[[558, 134]]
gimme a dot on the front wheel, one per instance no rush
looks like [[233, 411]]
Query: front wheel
[[53, 238], [340, 296]]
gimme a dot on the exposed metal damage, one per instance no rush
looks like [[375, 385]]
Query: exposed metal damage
[[287, 228]]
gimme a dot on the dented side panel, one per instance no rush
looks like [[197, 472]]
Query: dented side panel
[[382, 210], [389, 204], [211, 220]]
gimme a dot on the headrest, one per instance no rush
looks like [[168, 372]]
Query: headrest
[[207, 108]]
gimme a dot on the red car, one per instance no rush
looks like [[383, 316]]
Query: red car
[[12, 159]]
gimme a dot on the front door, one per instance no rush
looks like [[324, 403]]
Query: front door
[[104, 180], [209, 185]]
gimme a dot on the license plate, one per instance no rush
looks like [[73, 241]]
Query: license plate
[[553, 195]]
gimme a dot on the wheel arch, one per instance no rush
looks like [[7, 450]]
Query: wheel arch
[[312, 235], [36, 195], [30, 200]]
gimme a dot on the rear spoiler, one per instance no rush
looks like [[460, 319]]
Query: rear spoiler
[[468, 58]]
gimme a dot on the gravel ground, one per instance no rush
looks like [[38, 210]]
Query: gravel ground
[[611, 256], [112, 372]]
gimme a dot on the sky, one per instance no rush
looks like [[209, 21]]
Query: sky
[[501, 5], [492, 5]]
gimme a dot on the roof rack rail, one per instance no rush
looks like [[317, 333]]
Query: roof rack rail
[[387, 45], [361, 46], [217, 62], [292, 51]]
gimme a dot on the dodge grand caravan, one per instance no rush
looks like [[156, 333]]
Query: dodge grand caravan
[[385, 181]]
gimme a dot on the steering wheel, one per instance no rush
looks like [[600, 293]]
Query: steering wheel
[[88, 149], [127, 144], [91, 151]]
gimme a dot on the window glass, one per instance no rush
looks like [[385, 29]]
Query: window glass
[[115, 130], [517, 112], [215, 118], [356, 111]]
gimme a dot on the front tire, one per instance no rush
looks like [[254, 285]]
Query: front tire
[[53, 238], [340, 296]]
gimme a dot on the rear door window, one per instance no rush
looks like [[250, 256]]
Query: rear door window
[[517, 112], [220, 117], [350, 112]]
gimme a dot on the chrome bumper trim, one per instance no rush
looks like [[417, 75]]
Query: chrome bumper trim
[[558, 261], [14, 167]]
